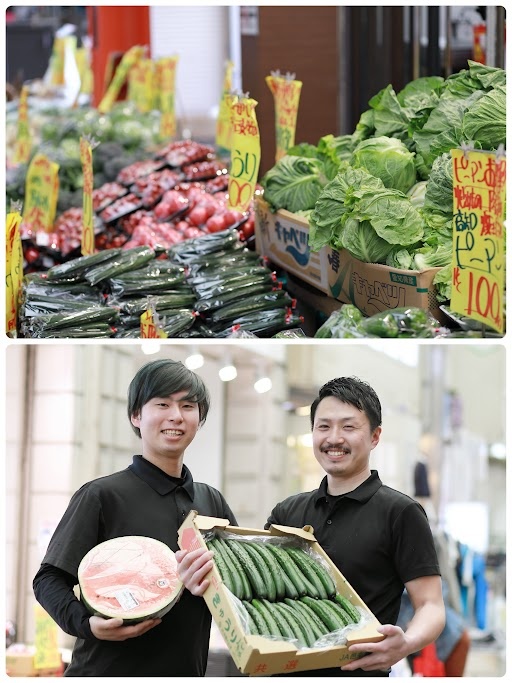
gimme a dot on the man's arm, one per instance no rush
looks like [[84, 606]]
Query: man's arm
[[425, 626]]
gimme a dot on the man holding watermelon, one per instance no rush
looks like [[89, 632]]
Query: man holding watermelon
[[167, 404], [379, 538]]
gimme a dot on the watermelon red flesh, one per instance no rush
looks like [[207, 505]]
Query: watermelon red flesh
[[131, 577]]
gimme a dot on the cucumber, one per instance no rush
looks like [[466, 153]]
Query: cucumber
[[381, 324], [259, 621], [273, 567], [272, 625], [330, 618], [290, 569], [251, 303], [235, 563], [236, 582], [308, 616], [264, 571], [348, 607], [319, 570], [253, 629], [251, 570], [316, 587], [338, 610], [129, 259], [82, 263], [305, 634], [284, 627]]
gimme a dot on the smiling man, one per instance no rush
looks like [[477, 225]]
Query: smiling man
[[167, 404], [378, 538]]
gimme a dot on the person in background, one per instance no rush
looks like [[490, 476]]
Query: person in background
[[167, 404], [379, 538]]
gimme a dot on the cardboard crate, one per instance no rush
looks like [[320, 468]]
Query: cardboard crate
[[20, 661], [256, 655], [283, 238]]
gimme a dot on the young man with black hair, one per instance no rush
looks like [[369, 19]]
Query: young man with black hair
[[167, 404], [379, 538]]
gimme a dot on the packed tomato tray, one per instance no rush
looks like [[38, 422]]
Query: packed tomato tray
[[177, 194]]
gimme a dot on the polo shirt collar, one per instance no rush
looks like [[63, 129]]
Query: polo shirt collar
[[362, 493], [159, 481]]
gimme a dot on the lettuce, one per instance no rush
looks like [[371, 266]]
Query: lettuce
[[294, 183]]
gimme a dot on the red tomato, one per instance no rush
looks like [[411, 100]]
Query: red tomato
[[215, 223], [192, 232], [247, 229], [231, 217], [198, 216], [181, 226]]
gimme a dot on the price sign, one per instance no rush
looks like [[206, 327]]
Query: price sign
[[47, 655], [87, 211], [245, 153], [149, 326], [223, 130], [129, 59], [478, 265], [41, 191], [166, 78], [23, 138], [141, 84], [13, 270], [286, 92]]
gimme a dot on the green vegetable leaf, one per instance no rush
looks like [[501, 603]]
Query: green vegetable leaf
[[294, 183]]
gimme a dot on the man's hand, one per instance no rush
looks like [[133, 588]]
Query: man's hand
[[113, 629], [193, 566], [380, 655]]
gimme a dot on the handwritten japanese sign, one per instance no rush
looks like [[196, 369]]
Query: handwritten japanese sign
[[13, 271], [47, 655], [166, 79], [245, 153], [223, 130], [23, 137], [286, 92], [129, 59], [478, 265], [150, 327], [87, 213], [141, 84], [41, 190]]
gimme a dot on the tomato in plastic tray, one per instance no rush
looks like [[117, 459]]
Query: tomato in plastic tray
[[129, 174], [204, 170], [106, 194], [188, 153], [151, 188], [217, 184], [173, 204], [120, 208]]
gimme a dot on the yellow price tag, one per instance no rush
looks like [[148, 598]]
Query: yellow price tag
[[23, 138], [129, 59], [149, 329], [141, 84], [223, 128], [13, 271], [47, 655], [41, 191], [245, 153], [286, 92], [478, 264], [87, 210], [166, 78]]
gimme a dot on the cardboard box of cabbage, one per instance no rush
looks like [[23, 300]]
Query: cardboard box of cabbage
[[280, 603], [283, 238]]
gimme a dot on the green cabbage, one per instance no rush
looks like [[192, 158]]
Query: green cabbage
[[485, 121], [361, 240], [388, 159], [294, 183]]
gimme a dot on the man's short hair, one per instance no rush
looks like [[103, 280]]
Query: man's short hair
[[354, 391]]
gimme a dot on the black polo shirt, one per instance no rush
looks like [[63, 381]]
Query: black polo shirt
[[139, 501], [378, 538]]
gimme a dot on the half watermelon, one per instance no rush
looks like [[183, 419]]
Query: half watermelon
[[131, 577]]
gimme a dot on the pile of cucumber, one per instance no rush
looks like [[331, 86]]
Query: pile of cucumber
[[285, 593]]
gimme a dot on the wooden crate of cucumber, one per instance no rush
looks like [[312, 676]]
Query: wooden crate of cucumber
[[277, 598]]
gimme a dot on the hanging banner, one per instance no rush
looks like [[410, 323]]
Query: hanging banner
[[149, 325], [87, 210], [223, 129], [13, 270], [245, 153], [286, 92], [478, 265], [41, 192], [23, 139], [166, 79], [129, 59], [47, 655]]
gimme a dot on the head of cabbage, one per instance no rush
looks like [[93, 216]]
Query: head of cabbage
[[388, 159]]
